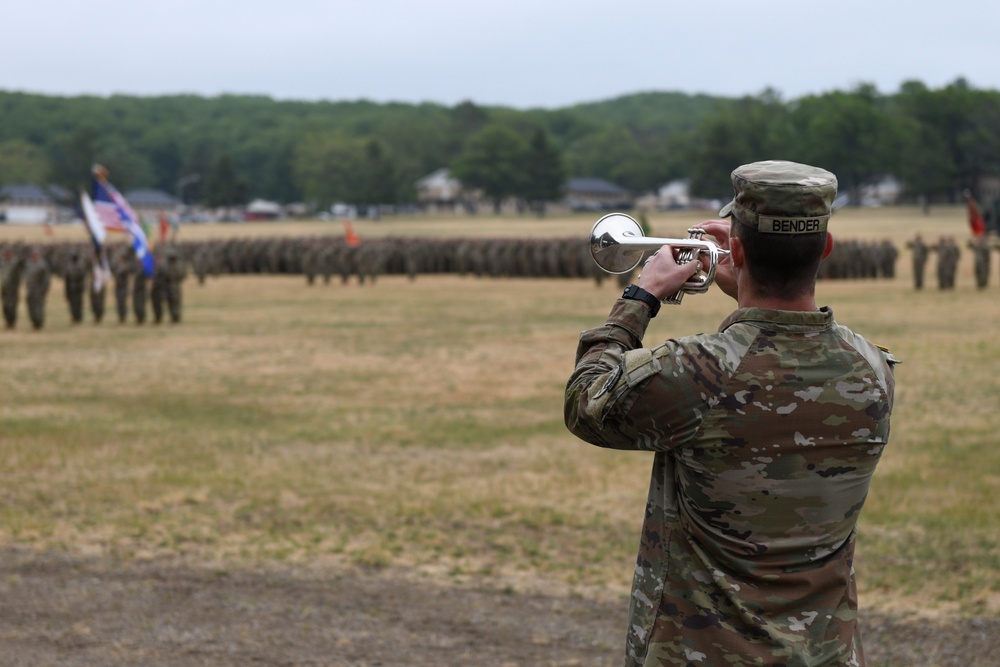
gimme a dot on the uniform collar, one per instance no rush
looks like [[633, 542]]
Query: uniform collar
[[799, 320]]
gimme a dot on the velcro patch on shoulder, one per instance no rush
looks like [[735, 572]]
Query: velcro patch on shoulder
[[888, 355], [639, 365]]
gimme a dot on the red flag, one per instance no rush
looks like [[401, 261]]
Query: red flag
[[352, 238], [164, 228], [976, 221]]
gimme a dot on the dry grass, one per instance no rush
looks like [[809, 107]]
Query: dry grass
[[419, 424]]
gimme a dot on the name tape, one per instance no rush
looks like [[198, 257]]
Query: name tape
[[793, 225]]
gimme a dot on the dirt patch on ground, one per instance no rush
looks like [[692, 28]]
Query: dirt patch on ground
[[68, 611]]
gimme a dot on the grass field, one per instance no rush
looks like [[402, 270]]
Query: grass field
[[419, 424]]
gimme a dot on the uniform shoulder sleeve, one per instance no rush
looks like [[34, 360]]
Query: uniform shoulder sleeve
[[878, 357]]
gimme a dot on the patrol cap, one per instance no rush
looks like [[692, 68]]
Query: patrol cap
[[780, 197]]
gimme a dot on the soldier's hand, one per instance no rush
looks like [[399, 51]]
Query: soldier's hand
[[662, 276], [725, 272]]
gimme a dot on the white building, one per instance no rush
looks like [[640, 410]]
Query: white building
[[674, 194], [439, 190], [29, 204]]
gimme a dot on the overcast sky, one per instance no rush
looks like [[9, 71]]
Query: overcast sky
[[517, 53]]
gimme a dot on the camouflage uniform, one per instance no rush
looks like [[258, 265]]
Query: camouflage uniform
[[36, 282], [201, 262], [766, 435], [981, 260], [889, 255], [11, 271], [920, 253], [947, 262], [166, 283], [176, 272], [122, 266], [74, 274]]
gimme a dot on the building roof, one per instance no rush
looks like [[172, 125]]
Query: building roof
[[23, 193], [438, 177], [593, 186], [677, 188], [151, 197], [264, 207]]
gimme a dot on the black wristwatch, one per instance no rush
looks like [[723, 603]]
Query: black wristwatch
[[639, 294]]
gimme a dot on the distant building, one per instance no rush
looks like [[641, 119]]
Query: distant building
[[261, 209], [884, 192], [27, 204], [674, 195], [439, 190], [596, 194], [152, 203]]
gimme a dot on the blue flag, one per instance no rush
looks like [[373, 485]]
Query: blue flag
[[115, 213]]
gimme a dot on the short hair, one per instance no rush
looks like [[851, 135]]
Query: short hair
[[781, 265]]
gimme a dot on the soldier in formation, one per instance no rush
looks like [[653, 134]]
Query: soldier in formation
[[74, 274], [122, 267], [11, 273], [887, 255], [948, 254], [980, 247], [310, 261], [369, 262], [920, 253], [168, 275], [37, 277], [202, 262]]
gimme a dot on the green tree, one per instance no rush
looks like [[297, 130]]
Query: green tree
[[378, 181], [610, 152], [323, 170], [73, 156], [335, 168], [851, 134], [746, 130], [224, 187], [545, 172], [23, 162], [494, 162], [128, 167], [197, 160], [925, 163]]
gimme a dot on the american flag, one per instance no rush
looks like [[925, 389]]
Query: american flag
[[102, 272], [115, 213]]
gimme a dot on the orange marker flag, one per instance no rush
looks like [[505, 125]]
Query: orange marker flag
[[976, 221], [352, 238], [164, 228]]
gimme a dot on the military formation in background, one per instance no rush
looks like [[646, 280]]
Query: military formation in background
[[852, 260], [323, 258], [86, 288], [139, 298], [948, 254]]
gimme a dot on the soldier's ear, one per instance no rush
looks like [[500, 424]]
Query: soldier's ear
[[736, 253], [829, 245]]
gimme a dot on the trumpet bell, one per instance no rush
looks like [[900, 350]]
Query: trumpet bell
[[617, 243]]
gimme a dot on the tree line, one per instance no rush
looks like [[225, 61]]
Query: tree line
[[221, 151]]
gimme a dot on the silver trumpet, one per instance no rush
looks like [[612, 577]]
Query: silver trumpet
[[618, 246]]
